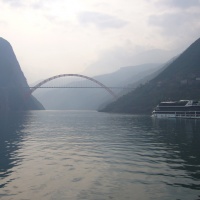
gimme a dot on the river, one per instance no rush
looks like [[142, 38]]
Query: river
[[86, 155]]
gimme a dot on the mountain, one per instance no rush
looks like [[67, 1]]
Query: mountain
[[13, 84], [180, 79], [111, 60], [73, 99]]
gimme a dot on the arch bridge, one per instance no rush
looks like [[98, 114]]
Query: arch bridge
[[39, 85]]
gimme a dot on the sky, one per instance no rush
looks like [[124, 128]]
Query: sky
[[52, 37]]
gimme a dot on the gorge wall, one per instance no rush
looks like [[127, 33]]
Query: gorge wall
[[13, 84]]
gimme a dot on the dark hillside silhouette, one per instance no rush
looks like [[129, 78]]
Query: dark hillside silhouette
[[13, 84], [179, 80]]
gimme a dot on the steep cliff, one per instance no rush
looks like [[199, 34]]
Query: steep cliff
[[13, 84], [179, 80]]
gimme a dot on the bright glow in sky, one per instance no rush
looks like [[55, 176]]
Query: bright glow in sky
[[68, 36]]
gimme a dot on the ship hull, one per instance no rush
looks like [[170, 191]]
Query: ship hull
[[186, 115]]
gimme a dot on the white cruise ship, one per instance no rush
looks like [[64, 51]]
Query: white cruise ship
[[177, 109]]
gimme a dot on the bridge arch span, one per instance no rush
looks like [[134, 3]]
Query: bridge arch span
[[76, 75]]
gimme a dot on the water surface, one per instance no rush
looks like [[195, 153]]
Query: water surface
[[87, 155]]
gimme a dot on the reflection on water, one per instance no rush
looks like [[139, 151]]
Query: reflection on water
[[90, 155], [182, 140], [11, 136]]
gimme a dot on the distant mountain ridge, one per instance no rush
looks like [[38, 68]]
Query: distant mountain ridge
[[179, 80], [13, 84], [74, 99], [113, 59]]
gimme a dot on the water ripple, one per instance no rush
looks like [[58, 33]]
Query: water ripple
[[90, 155]]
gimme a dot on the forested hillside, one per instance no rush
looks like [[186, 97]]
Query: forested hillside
[[179, 80]]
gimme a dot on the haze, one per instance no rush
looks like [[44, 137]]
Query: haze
[[94, 37]]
